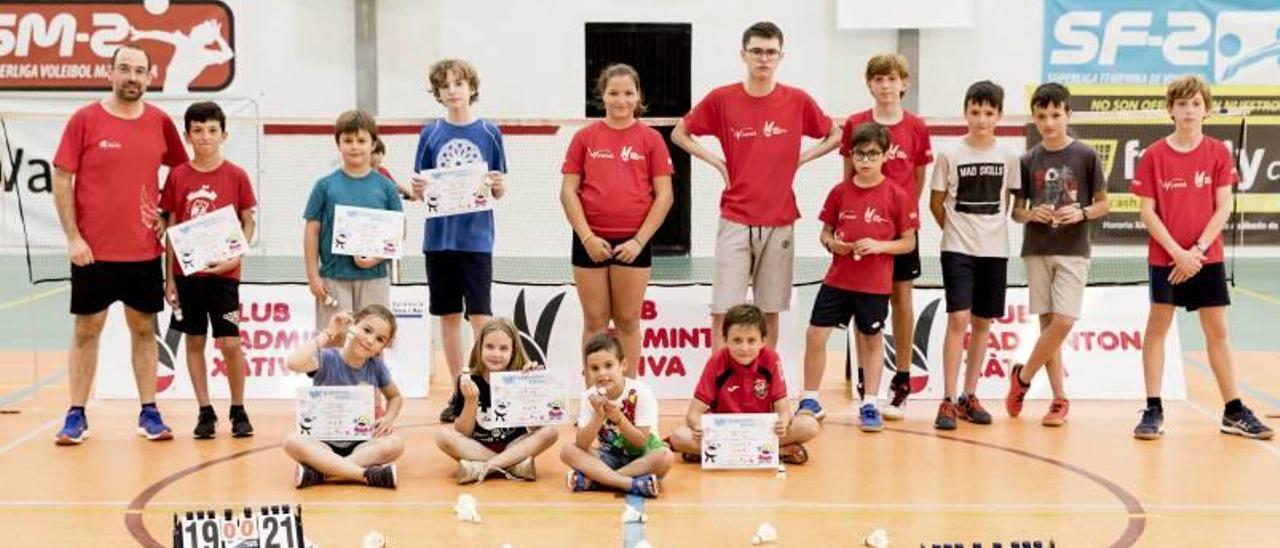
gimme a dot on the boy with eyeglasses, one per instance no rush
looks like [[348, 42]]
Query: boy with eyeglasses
[[759, 123], [888, 76], [866, 224]]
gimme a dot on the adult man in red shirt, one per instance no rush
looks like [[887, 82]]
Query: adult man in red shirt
[[759, 123], [106, 190]]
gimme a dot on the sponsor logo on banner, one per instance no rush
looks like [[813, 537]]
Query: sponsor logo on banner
[[274, 321], [1102, 355], [1143, 42], [67, 46], [674, 329]]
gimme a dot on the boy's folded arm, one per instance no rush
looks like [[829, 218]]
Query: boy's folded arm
[[587, 432], [693, 418], [904, 244]]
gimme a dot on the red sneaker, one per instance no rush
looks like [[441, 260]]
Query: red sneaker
[[1017, 393], [1057, 415]]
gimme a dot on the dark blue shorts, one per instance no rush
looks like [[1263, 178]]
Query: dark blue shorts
[[1207, 288]]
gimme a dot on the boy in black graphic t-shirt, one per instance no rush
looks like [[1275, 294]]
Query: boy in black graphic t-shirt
[[971, 185]]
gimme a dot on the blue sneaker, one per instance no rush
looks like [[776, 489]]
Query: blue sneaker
[[1246, 424], [151, 426], [75, 429], [870, 418], [811, 406]]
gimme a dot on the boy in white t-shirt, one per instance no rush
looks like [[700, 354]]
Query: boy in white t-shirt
[[971, 184]]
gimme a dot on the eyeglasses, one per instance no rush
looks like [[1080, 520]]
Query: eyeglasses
[[867, 155], [762, 53]]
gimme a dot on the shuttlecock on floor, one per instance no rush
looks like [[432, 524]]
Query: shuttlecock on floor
[[631, 515], [764, 534], [466, 510], [642, 544], [373, 539], [877, 539]]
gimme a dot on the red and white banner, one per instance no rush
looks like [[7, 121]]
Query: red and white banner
[[1102, 355], [675, 329], [274, 320], [65, 46]]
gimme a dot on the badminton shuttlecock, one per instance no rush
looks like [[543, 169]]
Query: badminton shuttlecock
[[631, 515], [466, 510], [330, 302], [373, 539], [877, 539], [765, 534], [601, 390]]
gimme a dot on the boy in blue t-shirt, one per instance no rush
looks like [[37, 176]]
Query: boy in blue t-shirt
[[458, 248], [343, 282]]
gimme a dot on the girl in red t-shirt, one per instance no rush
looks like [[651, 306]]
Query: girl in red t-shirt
[[616, 193]]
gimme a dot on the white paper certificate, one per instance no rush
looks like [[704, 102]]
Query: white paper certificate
[[336, 413], [210, 238], [739, 440], [367, 232], [457, 190], [526, 398]]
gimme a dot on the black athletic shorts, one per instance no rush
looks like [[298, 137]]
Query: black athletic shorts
[[139, 285]]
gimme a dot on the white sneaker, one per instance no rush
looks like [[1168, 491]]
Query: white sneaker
[[893, 412]]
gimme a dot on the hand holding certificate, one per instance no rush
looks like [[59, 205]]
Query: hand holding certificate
[[367, 232], [739, 440], [336, 413], [208, 239], [526, 398], [457, 190]]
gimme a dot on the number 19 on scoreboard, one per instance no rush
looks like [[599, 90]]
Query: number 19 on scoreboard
[[269, 527]]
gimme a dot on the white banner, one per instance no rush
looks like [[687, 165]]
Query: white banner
[[274, 320], [675, 326], [1102, 355]]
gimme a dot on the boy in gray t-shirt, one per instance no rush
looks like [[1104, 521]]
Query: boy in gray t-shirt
[[1063, 188]]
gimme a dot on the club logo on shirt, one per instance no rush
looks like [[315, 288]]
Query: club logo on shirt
[[106, 143], [760, 388], [600, 153], [743, 132], [629, 154], [871, 216], [1173, 184], [895, 152], [1203, 179], [771, 128]]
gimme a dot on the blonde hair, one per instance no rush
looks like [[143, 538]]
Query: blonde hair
[[1186, 87], [498, 325], [438, 76]]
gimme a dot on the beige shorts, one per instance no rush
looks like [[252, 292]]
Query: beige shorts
[[759, 256], [352, 295], [1056, 283]]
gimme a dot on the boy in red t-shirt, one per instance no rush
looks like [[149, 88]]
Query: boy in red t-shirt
[[1185, 181], [759, 124], [211, 297], [866, 224], [745, 377], [888, 76]]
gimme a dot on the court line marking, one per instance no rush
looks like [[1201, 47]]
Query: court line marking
[[1257, 295], [1131, 506], [33, 298], [602, 507], [27, 437], [30, 389], [1216, 420], [633, 533], [1206, 370]]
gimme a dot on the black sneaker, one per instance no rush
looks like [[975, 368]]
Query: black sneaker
[[446, 415], [307, 476], [1152, 424], [1246, 424], [240, 426], [206, 425], [381, 475]]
